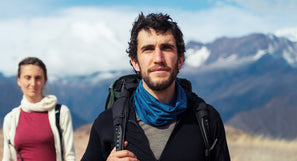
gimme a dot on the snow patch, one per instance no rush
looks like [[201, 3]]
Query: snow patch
[[290, 33], [290, 58], [196, 58], [259, 54]]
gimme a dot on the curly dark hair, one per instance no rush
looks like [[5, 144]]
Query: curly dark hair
[[161, 23]]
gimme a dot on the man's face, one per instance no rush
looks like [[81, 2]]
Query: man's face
[[157, 59]]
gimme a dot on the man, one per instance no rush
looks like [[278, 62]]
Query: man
[[161, 124]]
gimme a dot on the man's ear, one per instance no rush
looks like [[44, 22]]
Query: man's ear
[[180, 61], [135, 64]]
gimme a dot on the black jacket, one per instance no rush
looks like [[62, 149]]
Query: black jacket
[[185, 143]]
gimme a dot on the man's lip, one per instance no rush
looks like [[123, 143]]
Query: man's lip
[[159, 69]]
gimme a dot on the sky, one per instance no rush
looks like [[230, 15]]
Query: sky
[[75, 37]]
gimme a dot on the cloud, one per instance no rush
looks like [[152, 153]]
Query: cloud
[[226, 20], [73, 41], [84, 40], [198, 57]]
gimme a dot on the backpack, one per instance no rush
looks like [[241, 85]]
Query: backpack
[[118, 100], [57, 111]]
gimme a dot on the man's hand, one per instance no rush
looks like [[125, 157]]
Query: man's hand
[[123, 155]]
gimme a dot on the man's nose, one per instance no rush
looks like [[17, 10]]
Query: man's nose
[[158, 56]]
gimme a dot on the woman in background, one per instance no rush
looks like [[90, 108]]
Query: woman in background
[[30, 131]]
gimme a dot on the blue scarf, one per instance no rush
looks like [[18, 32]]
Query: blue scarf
[[154, 113]]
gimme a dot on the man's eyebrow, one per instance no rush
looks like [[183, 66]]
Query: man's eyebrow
[[163, 45], [147, 46], [168, 45]]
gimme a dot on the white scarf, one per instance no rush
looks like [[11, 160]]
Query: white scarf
[[47, 103]]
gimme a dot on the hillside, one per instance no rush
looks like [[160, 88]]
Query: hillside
[[258, 98], [246, 147]]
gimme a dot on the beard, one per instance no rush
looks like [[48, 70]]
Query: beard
[[160, 85]]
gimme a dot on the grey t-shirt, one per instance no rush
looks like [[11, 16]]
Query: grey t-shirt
[[157, 136]]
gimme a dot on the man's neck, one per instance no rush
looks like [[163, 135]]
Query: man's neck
[[163, 96]]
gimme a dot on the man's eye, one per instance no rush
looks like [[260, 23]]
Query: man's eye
[[167, 47], [148, 49]]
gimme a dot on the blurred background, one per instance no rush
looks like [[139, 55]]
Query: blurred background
[[241, 58]]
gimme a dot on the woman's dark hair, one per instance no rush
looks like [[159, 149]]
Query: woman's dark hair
[[32, 61], [161, 23]]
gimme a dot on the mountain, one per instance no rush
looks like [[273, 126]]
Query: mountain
[[230, 52], [9, 95], [250, 80]]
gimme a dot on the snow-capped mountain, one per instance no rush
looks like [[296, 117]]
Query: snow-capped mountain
[[232, 52]]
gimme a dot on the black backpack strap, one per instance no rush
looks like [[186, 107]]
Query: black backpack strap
[[120, 114], [120, 109], [57, 110], [202, 118], [201, 113], [18, 153]]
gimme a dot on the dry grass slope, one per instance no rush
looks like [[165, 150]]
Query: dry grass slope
[[245, 147], [242, 146]]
